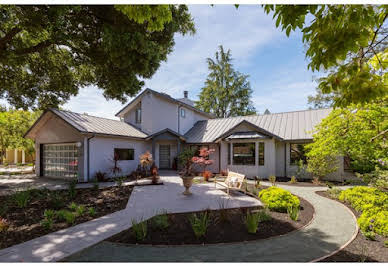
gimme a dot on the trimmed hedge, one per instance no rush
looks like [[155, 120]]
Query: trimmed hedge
[[373, 204], [278, 199]]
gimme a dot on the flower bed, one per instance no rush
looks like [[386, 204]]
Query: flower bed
[[30, 214]]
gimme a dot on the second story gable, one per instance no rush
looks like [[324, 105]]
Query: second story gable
[[153, 111]]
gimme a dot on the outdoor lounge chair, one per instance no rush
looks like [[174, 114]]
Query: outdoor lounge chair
[[234, 181]]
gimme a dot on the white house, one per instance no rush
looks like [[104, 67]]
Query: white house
[[72, 145]]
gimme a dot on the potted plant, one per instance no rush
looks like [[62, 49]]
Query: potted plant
[[203, 160], [186, 160], [155, 174]]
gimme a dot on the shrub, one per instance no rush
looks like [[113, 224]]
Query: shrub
[[386, 243], [272, 179], [293, 212], [69, 217], [199, 223], [4, 225], [293, 180], [47, 223], [334, 192], [278, 199], [100, 176], [252, 222], [61, 215], [73, 206], [207, 175], [49, 214], [56, 200], [80, 210], [370, 235], [160, 221], [374, 220], [139, 230], [21, 198], [72, 188], [92, 211], [264, 216]]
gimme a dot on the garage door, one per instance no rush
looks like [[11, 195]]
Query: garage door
[[60, 160]]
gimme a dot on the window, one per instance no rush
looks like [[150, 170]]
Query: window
[[125, 154], [244, 153], [196, 149], [229, 147], [138, 115], [60, 160], [183, 112], [261, 153], [297, 153]]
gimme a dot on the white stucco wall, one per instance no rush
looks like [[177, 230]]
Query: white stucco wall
[[187, 122], [130, 117], [102, 150], [55, 130]]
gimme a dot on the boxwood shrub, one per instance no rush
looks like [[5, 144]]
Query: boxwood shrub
[[373, 204], [278, 199]]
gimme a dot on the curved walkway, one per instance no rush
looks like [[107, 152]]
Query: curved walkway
[[333, 227]]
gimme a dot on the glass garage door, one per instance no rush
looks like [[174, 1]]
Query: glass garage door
[[60, 160]]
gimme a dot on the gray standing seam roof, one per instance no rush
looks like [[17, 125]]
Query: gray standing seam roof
[[98, 125], [296, 125]]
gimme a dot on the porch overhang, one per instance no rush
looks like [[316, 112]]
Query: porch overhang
[[167, 131]]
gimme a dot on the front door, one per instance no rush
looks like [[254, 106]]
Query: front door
[[164, 156]]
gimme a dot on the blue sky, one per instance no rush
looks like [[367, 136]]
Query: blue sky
[[276, 64]]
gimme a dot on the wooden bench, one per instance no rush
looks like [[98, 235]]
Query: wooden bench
[[234, 181]]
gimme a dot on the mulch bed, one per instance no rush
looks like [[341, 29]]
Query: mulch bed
[[360, 249], [24, 223], [180, 231]]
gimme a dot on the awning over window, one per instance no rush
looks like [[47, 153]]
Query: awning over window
[[246, 135]]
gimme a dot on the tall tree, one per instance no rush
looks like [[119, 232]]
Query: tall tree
[[350, 42], [48, 51], [320, 100], [227, 92]]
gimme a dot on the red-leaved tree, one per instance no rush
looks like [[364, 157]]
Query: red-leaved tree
[[203, 160]]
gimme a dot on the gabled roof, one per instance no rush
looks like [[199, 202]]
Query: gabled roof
[[166, 97], [166, 130], [296, 125], [96, 125]]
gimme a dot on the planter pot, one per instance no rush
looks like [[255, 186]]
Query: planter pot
[[187, 182]]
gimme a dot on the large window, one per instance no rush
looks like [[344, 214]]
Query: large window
[[261, 153], [60, 160], [244, 153], [297, 153], [125, 154]]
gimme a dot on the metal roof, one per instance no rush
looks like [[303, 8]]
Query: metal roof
[[296, 125], [98, 125], [246, 135]]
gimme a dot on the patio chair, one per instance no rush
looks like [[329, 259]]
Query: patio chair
[[233, 181]]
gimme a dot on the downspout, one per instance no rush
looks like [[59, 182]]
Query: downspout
[[88, 153], [285, 159], [219, 157]]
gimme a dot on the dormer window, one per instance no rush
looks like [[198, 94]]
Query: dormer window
[[138, 115], [183, 112]]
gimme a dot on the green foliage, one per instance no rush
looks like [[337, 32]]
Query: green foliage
[[199, 223], [301, 171], [334, 192], [92, 211], [139, 230], [227, 92], [252, 222], [22, 198], [49, 214], [68, 216], [120, 180], [73, 206], [320, 165], [56, 201], [263, 216], [373, 204], [272, 179], [370, 235], [386, 243], [344, 40], [160, 221], [48, 221], [278, 199], [13, 126], [4, 225], [72, 188], [80, 210], [184, 159], [49, 51], [61, 215], [377, 178], [293, 212], [293, 180]]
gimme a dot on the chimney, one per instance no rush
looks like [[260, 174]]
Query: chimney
[[185, 94]]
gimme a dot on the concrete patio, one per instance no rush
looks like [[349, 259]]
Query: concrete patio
[[145, 202]]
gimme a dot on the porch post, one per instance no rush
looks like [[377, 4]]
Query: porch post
[[153, 149], [23, 157], [178, 150], [15, 159]]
